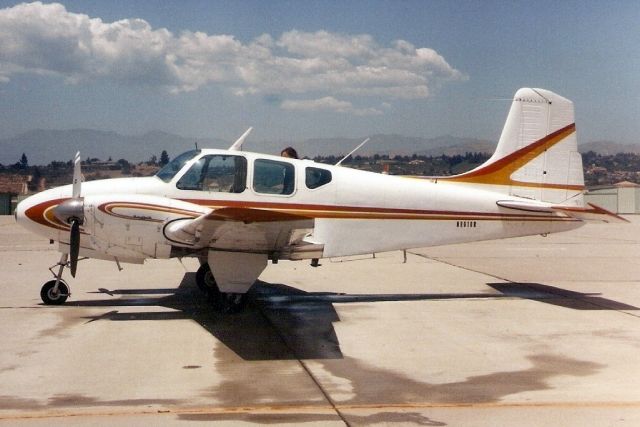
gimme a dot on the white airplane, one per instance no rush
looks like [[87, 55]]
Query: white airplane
[[236, 210]]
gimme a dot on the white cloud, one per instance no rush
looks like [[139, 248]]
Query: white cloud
[[328, 103], [325, 44], [48, 39]]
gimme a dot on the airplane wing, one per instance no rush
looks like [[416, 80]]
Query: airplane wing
[[240, 229]]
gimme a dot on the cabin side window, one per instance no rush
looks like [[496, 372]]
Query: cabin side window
[[216, 173], [316, 177], [273, 177]]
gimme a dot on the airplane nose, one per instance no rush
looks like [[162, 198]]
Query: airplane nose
[[23, 211], [20, 215]]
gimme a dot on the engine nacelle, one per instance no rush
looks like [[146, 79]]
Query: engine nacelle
[[129, 226]]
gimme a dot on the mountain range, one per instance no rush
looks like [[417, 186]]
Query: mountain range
[[43, 146]]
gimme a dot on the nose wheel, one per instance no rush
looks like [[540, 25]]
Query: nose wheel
[[56, 291]]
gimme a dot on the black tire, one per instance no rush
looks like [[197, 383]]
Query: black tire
[[49, 298], [205, 280], [222, 302]]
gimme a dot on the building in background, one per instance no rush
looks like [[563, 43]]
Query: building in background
[[11, 188], [621, 198]]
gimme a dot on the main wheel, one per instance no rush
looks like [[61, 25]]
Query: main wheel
[[224, 302], [205, 280], [50, 297]]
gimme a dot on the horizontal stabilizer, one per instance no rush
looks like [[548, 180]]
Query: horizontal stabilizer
[[588, 213], [591, 213]]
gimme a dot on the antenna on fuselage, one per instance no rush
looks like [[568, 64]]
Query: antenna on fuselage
[[352, 151], [237, 146]]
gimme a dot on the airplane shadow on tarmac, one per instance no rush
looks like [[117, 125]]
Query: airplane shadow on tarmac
[[282, 323]]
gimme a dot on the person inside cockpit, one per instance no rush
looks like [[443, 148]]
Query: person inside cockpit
[[289, 152]]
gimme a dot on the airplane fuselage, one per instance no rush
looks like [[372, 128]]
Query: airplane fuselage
[[345, 211]]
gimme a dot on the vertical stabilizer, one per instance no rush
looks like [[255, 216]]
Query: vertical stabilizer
[[537, 154]]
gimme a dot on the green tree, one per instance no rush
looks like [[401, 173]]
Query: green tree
[[164, 158], [24, 162]]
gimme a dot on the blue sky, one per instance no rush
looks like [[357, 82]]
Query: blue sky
[[297, 70]]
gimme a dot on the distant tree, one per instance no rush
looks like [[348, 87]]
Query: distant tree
[[153, 160], [124, 166], [164, 158], [24, 162]]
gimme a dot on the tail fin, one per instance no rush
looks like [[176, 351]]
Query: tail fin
[[537, 154]]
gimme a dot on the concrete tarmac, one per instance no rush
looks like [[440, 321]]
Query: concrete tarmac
[[530, 331]]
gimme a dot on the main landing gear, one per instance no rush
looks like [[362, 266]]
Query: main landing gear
[[224, 302], [56, 292]]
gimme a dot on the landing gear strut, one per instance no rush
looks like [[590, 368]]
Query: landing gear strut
[[224, 302], [56, 292]]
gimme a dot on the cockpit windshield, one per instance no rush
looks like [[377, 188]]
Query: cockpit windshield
[[174, 166]]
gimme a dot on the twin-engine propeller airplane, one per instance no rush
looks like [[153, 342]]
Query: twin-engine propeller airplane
[[236, 210]]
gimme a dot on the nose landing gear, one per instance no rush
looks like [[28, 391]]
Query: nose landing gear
[[56, 292]]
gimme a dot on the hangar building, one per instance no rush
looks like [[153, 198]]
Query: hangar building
[[621, 198]]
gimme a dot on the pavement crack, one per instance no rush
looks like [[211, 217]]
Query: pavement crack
[[304, 366]]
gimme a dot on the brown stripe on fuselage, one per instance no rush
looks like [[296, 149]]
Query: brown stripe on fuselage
[[358, 212], [41, 213]]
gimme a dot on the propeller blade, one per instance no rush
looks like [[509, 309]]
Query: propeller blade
[[77, 176], [74, 246]]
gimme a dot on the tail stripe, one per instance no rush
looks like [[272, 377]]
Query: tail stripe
[[500, 171]]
